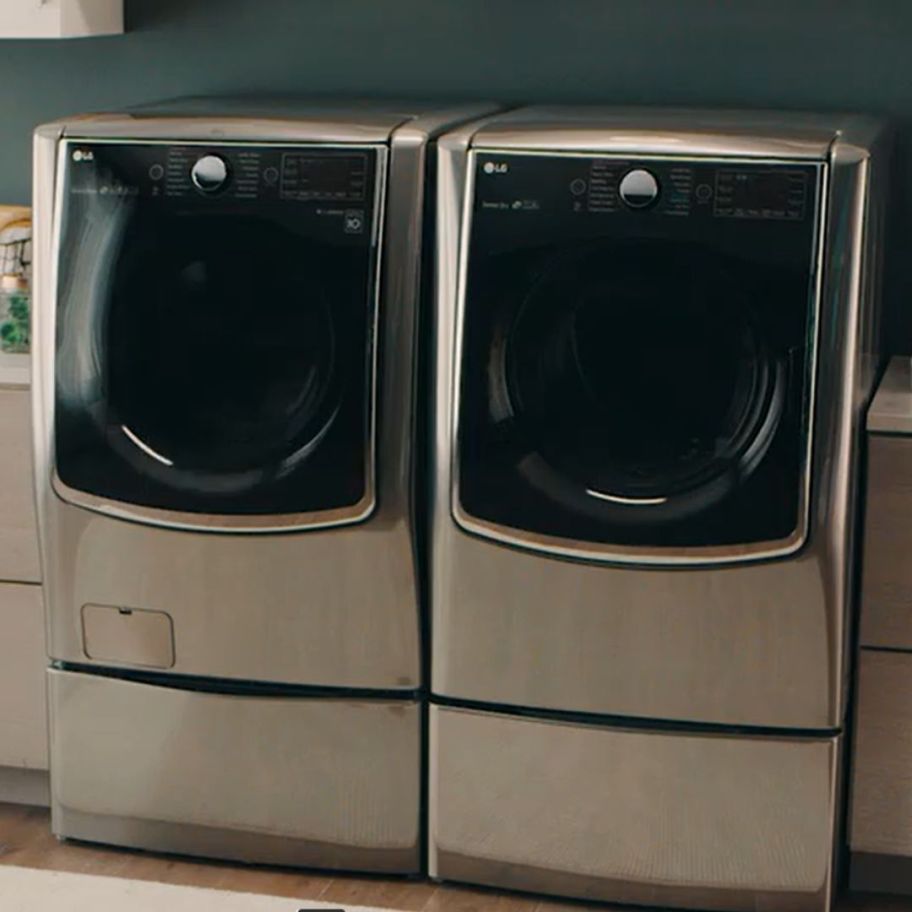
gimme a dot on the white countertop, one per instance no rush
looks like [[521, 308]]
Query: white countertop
[[891, 410], [15, 371]]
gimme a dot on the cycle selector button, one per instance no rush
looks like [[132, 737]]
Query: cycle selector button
[[209, 174], [639, 188]]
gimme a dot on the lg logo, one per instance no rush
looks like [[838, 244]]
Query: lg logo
[[83, 155], [496, 167]]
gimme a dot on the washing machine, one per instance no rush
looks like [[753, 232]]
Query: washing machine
[[656, 336], [225, 322]]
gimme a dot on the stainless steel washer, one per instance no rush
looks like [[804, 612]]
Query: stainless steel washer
[[226, 307], [656, 336]]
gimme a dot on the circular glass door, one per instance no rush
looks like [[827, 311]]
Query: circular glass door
[[636, 362], [225, 367], [216, 331], [640, 381]]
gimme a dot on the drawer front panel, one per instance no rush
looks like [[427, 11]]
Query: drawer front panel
[[692, 820], [320, 782]]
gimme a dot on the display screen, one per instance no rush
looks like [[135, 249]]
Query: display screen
[[328, 178], [774, 194]]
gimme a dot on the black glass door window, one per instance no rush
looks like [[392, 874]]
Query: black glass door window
[[638, 374], [215, 330]]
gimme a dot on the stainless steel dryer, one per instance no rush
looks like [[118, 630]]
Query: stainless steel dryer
[[226, 307], [656, 334]]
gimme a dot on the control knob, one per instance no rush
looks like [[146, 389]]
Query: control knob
[[209, 173], [639, 188]]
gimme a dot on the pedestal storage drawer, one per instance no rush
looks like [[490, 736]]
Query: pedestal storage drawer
[[631, 815], [313, 781]]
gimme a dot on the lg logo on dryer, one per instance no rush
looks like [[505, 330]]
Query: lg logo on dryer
[[495, 167]]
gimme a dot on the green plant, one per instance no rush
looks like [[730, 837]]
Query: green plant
[[14, 331]]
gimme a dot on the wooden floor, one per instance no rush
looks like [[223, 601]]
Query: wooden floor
[[26, 840]]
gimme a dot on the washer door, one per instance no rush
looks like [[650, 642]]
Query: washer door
[[644, 395], [224, 363], [215, 339], [635, 377]]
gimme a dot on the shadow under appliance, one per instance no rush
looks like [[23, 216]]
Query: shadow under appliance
[[655, 340], [226, 308]]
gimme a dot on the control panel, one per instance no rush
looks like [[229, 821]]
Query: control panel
[[298, 174], [607, 185], [331, 189]]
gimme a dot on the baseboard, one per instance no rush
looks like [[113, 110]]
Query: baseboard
[[24, 786]]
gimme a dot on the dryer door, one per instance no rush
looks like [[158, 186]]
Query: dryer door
[[637, 356], [215, 329]]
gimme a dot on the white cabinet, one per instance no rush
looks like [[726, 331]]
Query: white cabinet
[[18, 532], [60, 18], [23, 704], [23, 655], [880, 823]]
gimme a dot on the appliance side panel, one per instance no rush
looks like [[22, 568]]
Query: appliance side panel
[[399, 302], [452, 157], [633, 816], [842, 391]]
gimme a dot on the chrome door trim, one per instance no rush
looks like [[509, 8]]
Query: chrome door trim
[[218, 522], [629, 554]]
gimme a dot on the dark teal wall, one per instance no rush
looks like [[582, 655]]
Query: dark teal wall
[[827, 54]]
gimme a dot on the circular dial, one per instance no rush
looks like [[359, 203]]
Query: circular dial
[[209, 173], [639, 188]]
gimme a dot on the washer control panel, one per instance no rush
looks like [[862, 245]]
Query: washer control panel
[[646, 188], [298, 174], [332, 189]]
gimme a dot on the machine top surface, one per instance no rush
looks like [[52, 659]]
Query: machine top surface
[[685, 131], [282, 117]]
